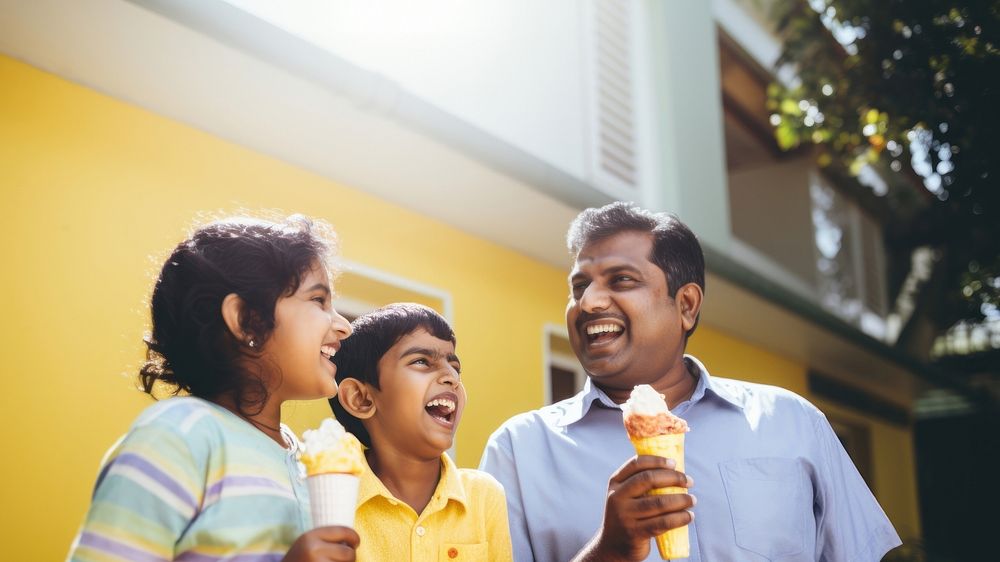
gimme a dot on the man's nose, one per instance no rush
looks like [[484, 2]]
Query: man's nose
[[595, 298]]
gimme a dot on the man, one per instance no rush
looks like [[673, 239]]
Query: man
[[772, 480]]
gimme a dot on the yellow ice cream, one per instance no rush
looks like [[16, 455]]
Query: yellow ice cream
[[331, 450]]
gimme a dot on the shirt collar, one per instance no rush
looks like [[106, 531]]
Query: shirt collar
[[576, 408], [449, 485]]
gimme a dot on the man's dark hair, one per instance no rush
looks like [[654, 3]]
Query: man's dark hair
[[374, 333], [676, 250], [190, 347]]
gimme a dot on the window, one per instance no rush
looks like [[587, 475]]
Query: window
[[856, 439], [564, 376]]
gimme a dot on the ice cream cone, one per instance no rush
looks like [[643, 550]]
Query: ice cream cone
[[673, 543], [333, 461], [333, 498]]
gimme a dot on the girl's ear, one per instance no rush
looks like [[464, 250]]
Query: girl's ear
[[232, 308], [355, 397]]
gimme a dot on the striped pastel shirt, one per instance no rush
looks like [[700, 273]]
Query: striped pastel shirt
[[192, 481]]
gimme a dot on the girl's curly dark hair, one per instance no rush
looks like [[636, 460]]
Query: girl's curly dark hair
[[190, 346]]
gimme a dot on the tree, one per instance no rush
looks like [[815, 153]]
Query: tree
[[911, 88]]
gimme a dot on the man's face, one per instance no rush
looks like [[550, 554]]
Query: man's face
[[623, 327]]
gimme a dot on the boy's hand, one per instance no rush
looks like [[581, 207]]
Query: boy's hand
[[324, 544], [631, 518]]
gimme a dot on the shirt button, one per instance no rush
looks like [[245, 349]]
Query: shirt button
[[421, 531], [452, 552]]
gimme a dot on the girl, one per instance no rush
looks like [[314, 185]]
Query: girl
[[242, 320]]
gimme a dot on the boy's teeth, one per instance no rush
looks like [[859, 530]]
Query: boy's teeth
[[602, 328], [328, 350], [450, 405]]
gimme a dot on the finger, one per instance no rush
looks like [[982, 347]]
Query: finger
[[336, 552], [645, 481], [656, 505], [341, 535], [653, 526], [638, 464]]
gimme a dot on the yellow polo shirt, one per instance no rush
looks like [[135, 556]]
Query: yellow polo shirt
[[466, 520]]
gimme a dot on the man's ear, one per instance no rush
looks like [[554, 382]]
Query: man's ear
[[356, 398], [232, 309], [688, 299]]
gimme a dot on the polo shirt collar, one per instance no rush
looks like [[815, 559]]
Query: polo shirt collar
[[449, 486], [576, 408]]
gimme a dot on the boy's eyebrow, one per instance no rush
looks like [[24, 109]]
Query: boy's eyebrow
[[430, 353]]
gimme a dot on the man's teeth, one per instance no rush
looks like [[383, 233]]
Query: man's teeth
[[602, 328], [328, 351], [448, 405]]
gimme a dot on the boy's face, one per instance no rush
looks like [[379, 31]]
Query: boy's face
[[421, 398]]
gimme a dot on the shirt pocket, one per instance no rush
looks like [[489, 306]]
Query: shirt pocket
[[453, 552], [769, 502]]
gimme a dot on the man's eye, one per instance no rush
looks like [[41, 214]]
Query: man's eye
[[420, 361], [623, 279]]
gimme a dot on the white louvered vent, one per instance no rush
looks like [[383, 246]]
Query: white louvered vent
[[615, 148]]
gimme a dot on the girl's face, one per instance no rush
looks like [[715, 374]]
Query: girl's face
[[307, 332]]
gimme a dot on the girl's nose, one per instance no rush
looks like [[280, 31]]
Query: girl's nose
[[340, 324]]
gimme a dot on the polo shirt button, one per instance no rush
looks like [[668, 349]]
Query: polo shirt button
[[452, 552], [421, 531]]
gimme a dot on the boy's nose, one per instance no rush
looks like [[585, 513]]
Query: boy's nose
[[450, 376]]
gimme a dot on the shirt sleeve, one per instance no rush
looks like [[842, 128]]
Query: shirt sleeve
[[149, 490], [497, 528], [498, 460], [850, 524]]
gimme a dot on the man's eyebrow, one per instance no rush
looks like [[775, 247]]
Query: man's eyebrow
[[620, 268], [454, 358]]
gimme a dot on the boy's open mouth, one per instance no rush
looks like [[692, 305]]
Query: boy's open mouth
[[442, 408], [603, 332]]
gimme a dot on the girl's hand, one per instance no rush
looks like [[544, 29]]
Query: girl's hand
[[324, 544]]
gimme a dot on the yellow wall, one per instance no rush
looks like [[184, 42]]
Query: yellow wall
[[93, 187]]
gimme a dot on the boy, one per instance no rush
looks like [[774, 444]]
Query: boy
[[402, 396]]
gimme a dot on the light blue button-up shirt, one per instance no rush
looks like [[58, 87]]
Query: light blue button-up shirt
[[772, 480]]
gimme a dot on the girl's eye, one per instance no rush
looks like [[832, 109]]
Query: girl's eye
[[320, 300]]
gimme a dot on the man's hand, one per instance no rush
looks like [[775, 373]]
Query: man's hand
[[324, 544], [631, 517]]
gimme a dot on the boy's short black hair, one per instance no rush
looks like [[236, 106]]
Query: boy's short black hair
[[374, 334]]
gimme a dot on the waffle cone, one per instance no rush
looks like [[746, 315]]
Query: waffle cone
[[674, 543]]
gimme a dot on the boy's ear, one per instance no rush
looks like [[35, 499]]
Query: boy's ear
[[232, 308], [355, 398]]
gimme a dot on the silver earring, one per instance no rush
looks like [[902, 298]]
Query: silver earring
[[251, 343]]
